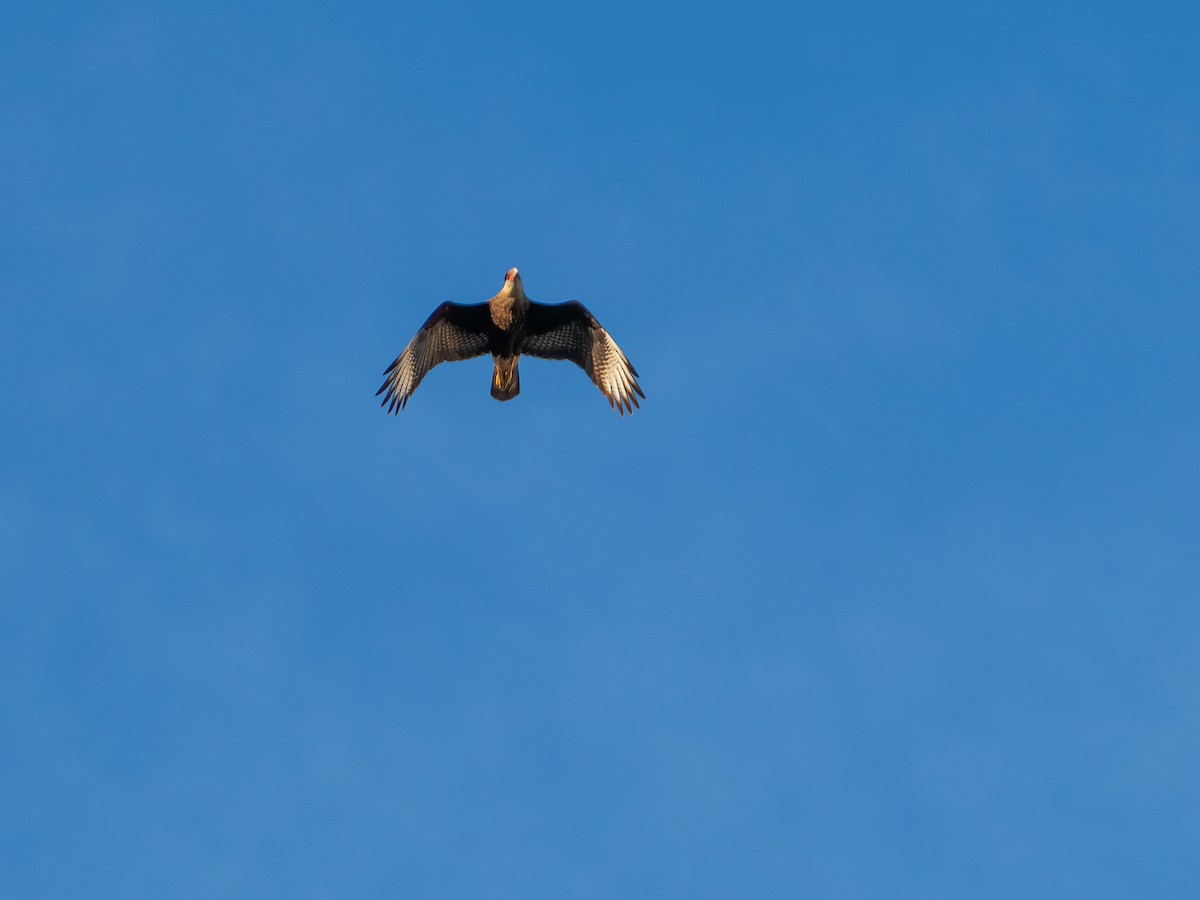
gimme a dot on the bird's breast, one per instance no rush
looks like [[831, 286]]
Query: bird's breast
[[508, 313]]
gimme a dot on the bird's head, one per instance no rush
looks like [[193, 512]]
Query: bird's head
[[512, 284]]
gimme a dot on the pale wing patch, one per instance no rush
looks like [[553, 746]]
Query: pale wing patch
[[581, 339], [613, 374], [437, 342]]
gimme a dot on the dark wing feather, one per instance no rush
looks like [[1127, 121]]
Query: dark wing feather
[[455, 331], [569, 331]]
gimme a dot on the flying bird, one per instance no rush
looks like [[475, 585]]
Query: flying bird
[[508, 325]]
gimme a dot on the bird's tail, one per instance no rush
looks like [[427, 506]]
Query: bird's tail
[[506, 382]]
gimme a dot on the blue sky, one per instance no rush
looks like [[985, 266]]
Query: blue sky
[[889, 590]]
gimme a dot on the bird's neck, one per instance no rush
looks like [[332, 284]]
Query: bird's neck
[[508, 306]]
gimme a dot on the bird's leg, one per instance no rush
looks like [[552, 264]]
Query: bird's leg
[[506, 384]]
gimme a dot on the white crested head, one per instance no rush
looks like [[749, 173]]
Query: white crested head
[[512, 275]]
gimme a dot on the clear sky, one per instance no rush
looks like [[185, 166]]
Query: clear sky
[[889, 590]]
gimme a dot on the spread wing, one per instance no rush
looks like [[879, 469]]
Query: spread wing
[[454, 331], [569, 331]]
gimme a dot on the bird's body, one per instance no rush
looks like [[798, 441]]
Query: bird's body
[[508, 310], [507, 326]]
